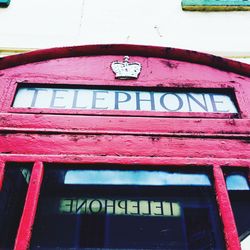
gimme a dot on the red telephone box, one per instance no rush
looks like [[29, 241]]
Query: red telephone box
[[124, 147]]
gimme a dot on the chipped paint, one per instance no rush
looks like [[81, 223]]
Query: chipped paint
[[127, 138]]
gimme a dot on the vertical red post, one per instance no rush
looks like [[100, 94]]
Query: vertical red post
[[30, 206], [225, 210], [2, 168]]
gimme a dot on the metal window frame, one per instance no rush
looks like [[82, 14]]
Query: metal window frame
[[28, 216]]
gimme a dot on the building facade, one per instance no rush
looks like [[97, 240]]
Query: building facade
[[44, 24]]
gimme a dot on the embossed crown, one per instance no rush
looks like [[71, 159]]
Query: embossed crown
[[126, 70]]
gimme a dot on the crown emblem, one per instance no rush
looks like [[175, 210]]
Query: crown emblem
[[126, 70]]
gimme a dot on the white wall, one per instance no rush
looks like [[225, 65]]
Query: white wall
[[50, 23]]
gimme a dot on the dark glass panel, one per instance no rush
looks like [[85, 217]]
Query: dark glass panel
[[239, 193], [116, 216], [12, 197]]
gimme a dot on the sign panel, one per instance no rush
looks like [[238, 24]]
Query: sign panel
[[103, 99]]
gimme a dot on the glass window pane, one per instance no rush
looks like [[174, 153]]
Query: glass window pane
[[237, 182], [245, 243], [12, 197], [239, 193], [143, 177], [76, 211]]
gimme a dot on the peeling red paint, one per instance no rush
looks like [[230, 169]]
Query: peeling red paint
[[133, 50], [128, 160], [124, 125], [226, 213], [29, 211], [125, 145], [126, 138]]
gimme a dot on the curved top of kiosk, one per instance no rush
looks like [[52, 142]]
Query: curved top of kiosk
[[92, 67], [126, 49], [113, 106]]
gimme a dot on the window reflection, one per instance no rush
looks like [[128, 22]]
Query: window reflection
[[237, 182], [114, 209], [12, 197], [142, 177], [239, 193]]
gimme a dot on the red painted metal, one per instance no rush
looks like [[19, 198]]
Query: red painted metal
[[225, 210], [233, 128], [29, 211], [133, 50], [124, 145], [136, 161], [141, 139], [2, 168]]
